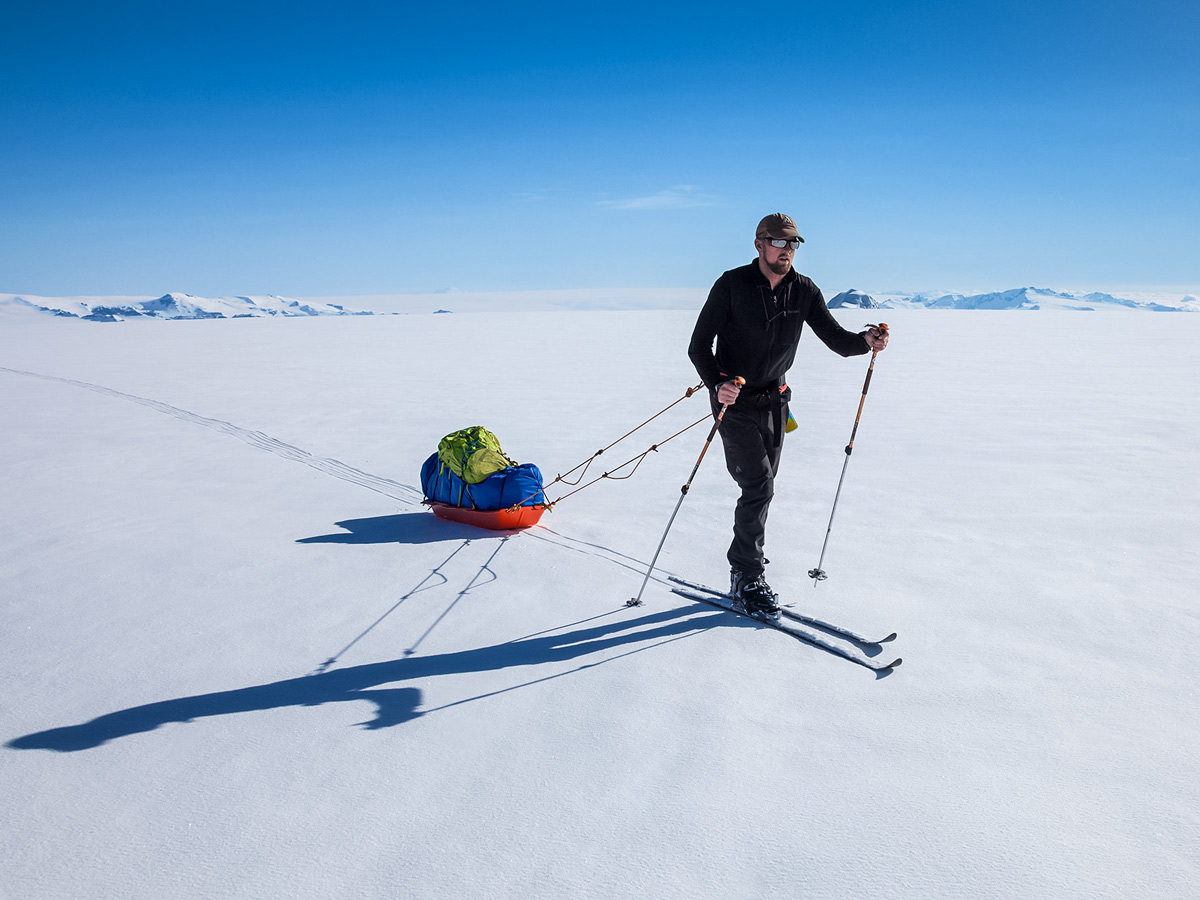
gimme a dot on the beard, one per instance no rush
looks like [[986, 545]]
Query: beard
[[780, 266]]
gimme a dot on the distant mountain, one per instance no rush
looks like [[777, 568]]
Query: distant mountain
[[853, 299], [178, 306], [1021, 298], [186, 306]]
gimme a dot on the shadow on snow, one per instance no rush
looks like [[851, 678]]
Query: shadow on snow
[[394, 705], [402, 528]]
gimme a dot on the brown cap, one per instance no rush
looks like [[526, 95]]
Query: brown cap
[[777, 225]]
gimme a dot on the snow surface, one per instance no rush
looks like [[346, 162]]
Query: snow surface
[[241, 661]]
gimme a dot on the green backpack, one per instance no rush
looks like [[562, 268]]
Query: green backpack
[[473, 454]]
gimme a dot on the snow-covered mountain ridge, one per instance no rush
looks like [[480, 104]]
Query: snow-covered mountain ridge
[[175, 306], [1016, 298], [185, 306]]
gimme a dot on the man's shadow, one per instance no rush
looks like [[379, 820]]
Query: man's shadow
[[393, 705], [402, 528]]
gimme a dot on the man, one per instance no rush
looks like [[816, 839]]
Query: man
[[756, 313]]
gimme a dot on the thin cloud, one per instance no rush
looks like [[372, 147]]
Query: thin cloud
[[682, 196]]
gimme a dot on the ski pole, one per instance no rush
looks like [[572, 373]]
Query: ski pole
[[818, 574], [637, 601]]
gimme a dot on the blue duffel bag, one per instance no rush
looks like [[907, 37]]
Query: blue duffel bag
[[515, 486]]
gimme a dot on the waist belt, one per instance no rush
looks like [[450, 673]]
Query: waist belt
[[774, 395]]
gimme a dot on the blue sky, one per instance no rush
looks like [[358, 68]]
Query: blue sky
[[366, 148]]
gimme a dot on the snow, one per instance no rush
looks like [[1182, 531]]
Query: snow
[[201, 516], [461, 301]]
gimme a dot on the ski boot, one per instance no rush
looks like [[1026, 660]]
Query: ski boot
[[753, 595]]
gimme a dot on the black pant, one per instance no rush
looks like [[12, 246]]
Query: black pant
[[752, 434]]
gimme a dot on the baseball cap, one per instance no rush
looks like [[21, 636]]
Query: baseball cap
[[778, 225]]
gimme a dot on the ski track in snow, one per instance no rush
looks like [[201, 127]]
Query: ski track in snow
[[402, 493], [338, 469]]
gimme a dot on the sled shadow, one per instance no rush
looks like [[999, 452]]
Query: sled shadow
[[402, 528], [393, 705]]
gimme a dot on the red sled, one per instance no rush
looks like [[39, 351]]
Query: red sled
[[495, 519]]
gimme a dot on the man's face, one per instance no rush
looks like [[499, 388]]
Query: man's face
[[777, 259]]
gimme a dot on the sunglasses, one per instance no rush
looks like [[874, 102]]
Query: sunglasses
[[779, 243]]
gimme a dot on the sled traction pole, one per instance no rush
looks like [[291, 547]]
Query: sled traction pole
[[818, 574], [637, 601]]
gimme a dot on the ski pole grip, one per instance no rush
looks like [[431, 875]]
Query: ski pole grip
[[882, 326], [740, 382]]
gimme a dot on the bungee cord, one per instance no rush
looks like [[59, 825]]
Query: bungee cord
[[636, 460], [653, 448]]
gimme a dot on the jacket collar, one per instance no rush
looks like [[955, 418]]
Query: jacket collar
[[761, 280]]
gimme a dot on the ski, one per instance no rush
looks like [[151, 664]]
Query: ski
[[721, 602], [799, 617]]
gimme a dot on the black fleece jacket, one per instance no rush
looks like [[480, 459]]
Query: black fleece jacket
[[757, 330]]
